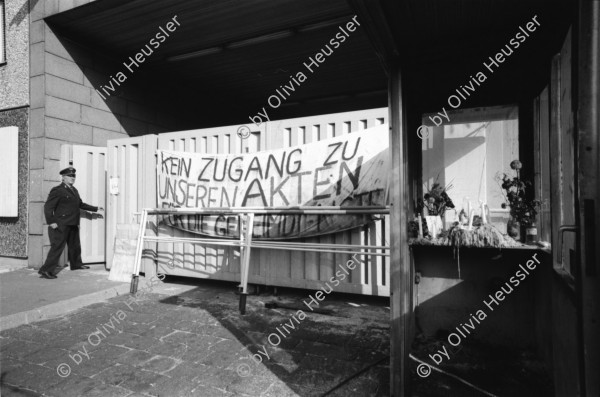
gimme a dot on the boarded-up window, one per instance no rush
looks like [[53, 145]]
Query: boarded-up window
[[9, 175]]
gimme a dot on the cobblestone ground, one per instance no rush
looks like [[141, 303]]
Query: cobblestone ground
[[197, 344]]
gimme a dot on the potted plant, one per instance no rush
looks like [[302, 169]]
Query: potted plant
[[523, 209]]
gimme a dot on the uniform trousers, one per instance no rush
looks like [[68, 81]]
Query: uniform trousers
[[69, 235]]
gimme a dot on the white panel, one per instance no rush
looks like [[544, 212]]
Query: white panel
[[287, 137], [346, 127], [91, 181], [227, 143], [254, 142], [9, 177], [131, 195], [215, 144], [302, 135], [465, 164], [317, 132], [467, 153]]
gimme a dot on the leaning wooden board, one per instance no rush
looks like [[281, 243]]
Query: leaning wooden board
[[124, 253]]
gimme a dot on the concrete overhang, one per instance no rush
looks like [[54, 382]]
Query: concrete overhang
[[441, 44], [226, 58]]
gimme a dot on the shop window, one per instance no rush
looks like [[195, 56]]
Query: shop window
[[468, 154]]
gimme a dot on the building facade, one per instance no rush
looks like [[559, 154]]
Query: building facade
[[47, 90]]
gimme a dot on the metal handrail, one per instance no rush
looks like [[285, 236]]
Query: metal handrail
[[245, 240]]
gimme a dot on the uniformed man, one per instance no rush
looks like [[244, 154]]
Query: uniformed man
[[62, 215]]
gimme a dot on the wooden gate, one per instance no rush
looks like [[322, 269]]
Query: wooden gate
[[131, 187], [90, 162], [269, 267]]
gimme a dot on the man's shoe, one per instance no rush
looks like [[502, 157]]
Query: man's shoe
[[47, 275], [80, 267]]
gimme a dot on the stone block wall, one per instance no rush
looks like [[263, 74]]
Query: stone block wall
[[48, 87], [66, 109]]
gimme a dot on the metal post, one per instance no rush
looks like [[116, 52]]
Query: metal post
[[138, 253], [400, 265], [588, 171], [246, 241]]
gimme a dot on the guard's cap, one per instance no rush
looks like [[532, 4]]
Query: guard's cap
[[68, 171]]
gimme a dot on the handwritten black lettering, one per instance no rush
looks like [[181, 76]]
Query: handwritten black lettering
[[188, 194], [318, 183], [239, 172], [355, 150], [211, 200], [225, 202], [298, 163], [278, 190], [185, 167], [261, 194], [221, 231], [163, 161], [336, 146], [183, 191], [299, 176], [254, 168], [273, 160], [210, 160], [215, 170], [354, 177], [200, 197]]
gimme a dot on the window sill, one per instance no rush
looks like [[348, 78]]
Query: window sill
[[423, 242]]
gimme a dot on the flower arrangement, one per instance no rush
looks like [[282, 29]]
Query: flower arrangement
[[522, 208], [437, 200]]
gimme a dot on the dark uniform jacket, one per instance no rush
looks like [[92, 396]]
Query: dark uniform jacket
[[63, 204]]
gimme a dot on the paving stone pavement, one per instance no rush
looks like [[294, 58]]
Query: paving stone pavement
[[197, 344]]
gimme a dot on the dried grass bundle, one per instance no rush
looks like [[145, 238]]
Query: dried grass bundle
[[483, 236]]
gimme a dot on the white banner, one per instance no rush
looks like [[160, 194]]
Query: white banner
[[350, 170]]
